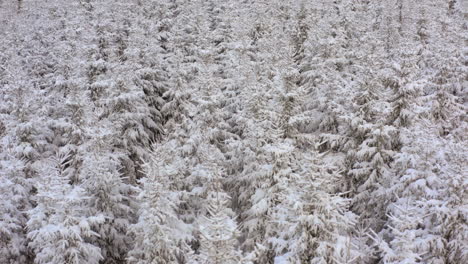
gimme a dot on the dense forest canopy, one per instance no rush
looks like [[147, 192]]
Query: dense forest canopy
[[217, 131]]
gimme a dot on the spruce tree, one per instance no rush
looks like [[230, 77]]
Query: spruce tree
[[58, 228], [160, 235], [110, 199], [218, 229]]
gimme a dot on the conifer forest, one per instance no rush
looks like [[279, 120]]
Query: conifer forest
[[233, 131]]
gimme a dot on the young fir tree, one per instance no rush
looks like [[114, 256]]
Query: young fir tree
[[110, 199], [317, 225], [369, 155], [156, 61], [58, 228], [130, 116], [423, 220], [218, 228], [267, 186], [16, 189], [327, 71], [160, 235]]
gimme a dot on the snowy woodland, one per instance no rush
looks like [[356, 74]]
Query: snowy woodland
[[233, 132]]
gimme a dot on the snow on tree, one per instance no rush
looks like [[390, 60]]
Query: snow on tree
[[307, 108], [58, 227], [110, 199], [218, 229], [16, 189], [160, 235], [127, 116], [422, 216], [268, 184], [313, 222], [416, 229], [371, 174]]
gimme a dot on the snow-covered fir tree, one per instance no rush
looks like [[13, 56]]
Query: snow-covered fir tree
[[160, 235], [110, 199], [218, 229], [16, 189], [58, 228]]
